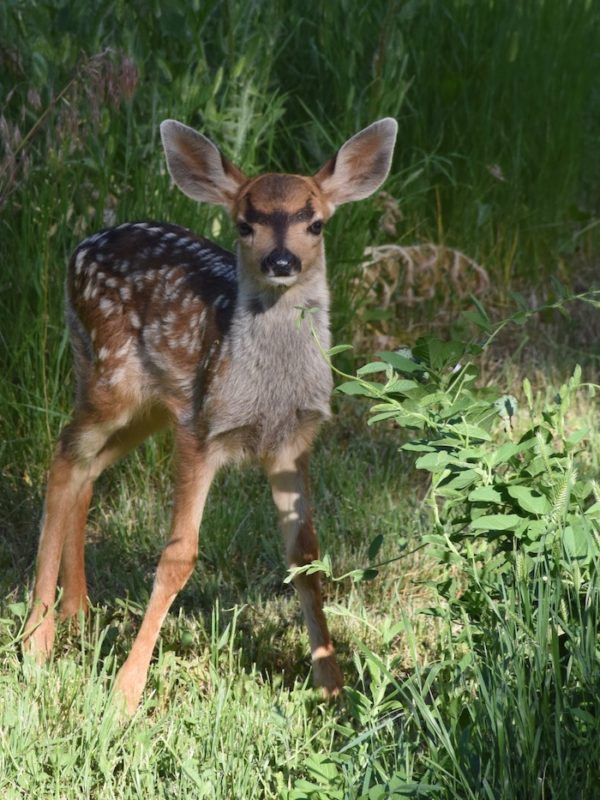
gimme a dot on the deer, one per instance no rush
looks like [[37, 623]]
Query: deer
[[169, 329]]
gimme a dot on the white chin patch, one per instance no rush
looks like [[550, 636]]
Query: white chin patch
[[280, 280]]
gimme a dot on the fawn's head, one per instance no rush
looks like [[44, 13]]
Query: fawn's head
[[279, 217]]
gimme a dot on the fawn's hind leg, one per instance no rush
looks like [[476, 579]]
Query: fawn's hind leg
[[288, 474], [68, 496], [85, 448], [72, 565]]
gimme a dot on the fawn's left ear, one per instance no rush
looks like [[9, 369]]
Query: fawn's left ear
[[198, 167], [361, 165]]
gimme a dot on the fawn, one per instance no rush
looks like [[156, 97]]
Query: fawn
[[168, 328]]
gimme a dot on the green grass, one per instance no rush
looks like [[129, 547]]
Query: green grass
[[497, 155], [227, 705]]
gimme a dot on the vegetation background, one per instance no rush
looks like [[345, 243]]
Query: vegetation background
[[494, 191]]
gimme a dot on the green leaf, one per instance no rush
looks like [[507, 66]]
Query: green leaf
[[466, 454], [437, 353], [506, 451], [477, 319], [530, 500], [360, 575], [472, 431], [419, 447], [400, 363], [375, 546], [392, 405], [521, 317], [503, 454], [433, 462], [363, 388], [430, 398], [577, 540], [536, 528], [400, 385], [374, 366], [593, 511], [485, 494], [497, 522], [382, 416], [454, 484], [576, 437], [339, 348], [18, 609]]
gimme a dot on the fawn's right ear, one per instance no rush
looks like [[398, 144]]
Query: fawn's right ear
[[198, 167]]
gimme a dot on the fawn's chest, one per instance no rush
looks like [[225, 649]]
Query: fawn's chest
[[273, 383]]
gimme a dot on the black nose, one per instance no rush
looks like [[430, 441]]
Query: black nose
[[280, 263]]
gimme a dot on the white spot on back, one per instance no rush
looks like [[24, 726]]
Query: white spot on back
[[79, 260], [117, 376], [124, 349], [97, 238], [221, 301], [106, 306]]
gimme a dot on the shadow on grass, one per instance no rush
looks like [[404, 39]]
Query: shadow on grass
[[241, 560], [20, 512]]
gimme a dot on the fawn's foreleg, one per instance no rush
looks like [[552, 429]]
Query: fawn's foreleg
[[288, 474], [195, 472]]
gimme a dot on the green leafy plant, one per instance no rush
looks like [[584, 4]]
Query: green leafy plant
[[503, 485]]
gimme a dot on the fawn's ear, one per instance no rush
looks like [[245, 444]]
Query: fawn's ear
[[361, 165], [198, 167]]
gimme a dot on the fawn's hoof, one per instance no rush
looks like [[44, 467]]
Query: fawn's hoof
[[72, 607], [328, 676], [128, 688], [39, 635]]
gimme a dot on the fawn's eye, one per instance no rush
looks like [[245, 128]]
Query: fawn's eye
[[316, 227], [245, 229]]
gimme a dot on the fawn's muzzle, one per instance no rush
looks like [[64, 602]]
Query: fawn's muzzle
[[280, 264]]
